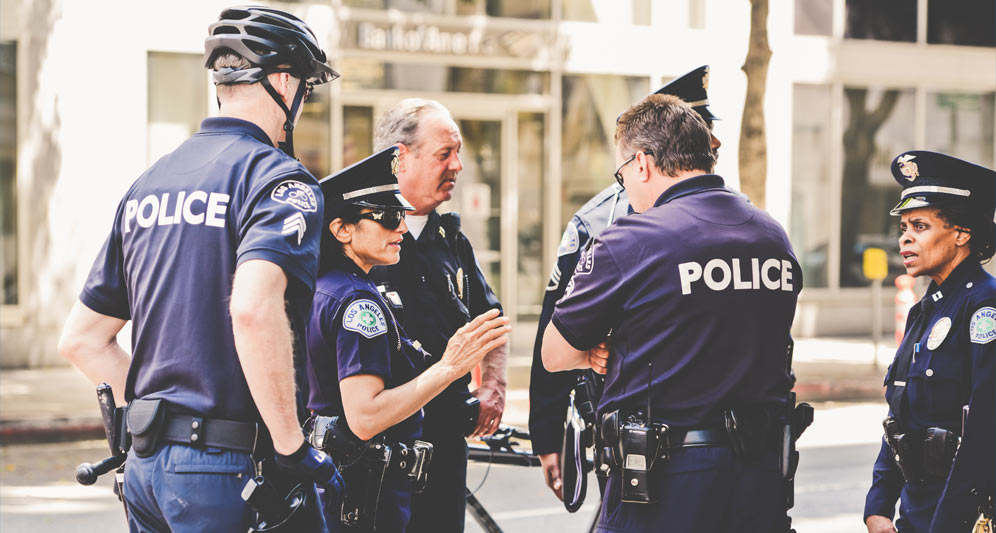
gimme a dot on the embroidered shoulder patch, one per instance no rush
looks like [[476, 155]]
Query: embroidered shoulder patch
[[364, 317], [586, 262], [982, 329], [569, 242], [297, 194]]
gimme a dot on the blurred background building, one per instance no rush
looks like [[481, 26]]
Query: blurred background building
[[91, 93]]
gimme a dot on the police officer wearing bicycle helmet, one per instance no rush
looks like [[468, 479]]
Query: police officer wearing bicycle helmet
[[213, 256], [363, 367]]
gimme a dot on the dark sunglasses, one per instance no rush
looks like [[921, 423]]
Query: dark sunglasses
[[618, 172], [389, 218]]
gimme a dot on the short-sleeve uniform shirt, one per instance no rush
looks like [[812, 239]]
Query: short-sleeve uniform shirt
[[223, 197], [699, 294], [351, 332]]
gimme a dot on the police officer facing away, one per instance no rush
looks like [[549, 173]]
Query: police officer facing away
[[362, 365], [434, 289], [548, 392], [213, 256], [936, 459], [698, 290]]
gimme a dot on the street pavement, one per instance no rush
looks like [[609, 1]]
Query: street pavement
[[59, 403], [41, 406], [38, 494]]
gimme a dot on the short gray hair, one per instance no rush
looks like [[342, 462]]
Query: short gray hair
[[400, 123], [231, 60]]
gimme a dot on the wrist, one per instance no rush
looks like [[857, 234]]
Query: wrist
[[289, 444]]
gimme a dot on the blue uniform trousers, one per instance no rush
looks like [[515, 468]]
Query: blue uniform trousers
[[442, 506], [180, 489], [916, 506], [705, 490]]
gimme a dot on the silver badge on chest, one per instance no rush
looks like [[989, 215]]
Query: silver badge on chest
[[938, 333]]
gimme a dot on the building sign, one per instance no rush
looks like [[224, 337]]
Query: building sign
[[434, 39]]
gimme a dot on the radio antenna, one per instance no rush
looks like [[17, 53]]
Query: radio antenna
[[650, 379]]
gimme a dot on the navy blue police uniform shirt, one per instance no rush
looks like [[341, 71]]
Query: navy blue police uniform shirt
[[549, 391], [703, 285], [434, 289], [223, 197], [951, 331], [352, 332]]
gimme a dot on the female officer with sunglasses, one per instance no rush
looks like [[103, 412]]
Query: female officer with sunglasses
[[361, 365]]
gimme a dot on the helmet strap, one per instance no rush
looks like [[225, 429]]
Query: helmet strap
[[288, 145]]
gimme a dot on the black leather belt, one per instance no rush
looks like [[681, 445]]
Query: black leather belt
[[701, 437], [210, 432]]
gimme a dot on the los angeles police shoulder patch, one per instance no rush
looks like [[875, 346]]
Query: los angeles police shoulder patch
[[364, 317], [982, 329], [297, 194], [569, 242], [586, 262]]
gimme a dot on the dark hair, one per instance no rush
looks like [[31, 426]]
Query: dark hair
[[671, 130], [979, 225], [332, 250]]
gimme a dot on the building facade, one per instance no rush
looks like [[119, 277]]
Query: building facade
[[92, 93]]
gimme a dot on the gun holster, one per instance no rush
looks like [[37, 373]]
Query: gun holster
[[939, 448], [906, 450], [365, 464]]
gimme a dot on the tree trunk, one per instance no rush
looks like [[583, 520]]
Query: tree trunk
[[753, 148]]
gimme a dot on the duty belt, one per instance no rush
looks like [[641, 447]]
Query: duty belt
[[210, 432]]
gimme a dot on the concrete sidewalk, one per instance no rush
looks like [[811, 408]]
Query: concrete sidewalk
[[60, 403]]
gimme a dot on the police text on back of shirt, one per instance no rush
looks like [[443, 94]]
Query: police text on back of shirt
[[718, 274]]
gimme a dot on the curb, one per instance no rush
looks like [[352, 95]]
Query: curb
[[58, 430]]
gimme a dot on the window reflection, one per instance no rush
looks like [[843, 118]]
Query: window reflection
[[178, 101], [878, 125], [813, 17], [357, 133], [313, 133], [961, 124], [422, 6], [527, 9], [811, 185], [8, 171], [636, 12], [882, 20], [366, 74], [591, 104], [531, 175], [966, 22]]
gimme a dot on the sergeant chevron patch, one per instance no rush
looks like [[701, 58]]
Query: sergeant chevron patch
[[295, 224]]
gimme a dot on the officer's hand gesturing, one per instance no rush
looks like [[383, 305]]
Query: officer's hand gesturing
[[879, 524], [474, 340], [598, 357]]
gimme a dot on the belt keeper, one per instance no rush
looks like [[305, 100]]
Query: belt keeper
[[196, 429]]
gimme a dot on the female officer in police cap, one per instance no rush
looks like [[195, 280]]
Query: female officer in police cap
[[936, 460], [361, 365]]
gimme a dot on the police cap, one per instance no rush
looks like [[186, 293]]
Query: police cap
[[370, 182], [692, 88], [931, 179]]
